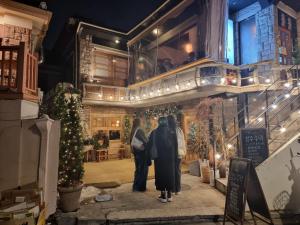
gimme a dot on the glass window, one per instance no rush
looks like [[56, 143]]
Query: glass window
[[230, 43], [248, 41]]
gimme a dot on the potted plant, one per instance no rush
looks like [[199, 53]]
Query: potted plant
[[64, 104]]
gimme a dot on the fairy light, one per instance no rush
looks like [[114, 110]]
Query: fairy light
[[177, 87], [110, 97], [229, 146], [99, 95], [287, 85], [234, 81], [260, 119], [168, 89], [203, 81], [282, 129], [251, 79], [267, 80], [223, 80], [218, 156], [189, 83], [287, 95], [274, 106]]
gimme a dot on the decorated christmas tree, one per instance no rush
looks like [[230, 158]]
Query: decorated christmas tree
[[64, 104], [127, 129]]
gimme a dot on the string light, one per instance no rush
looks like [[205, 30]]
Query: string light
[[203, 81], [274, 106], [287, 85], [189, 83], [229, 146], [177, 86], [223, 80], [251, 79], [267, 80], [110, 97], [282, 129], [99, 95], [168, 89], [117, 41], [287, 95], [122, 98], [260, 119], [218, 156], [234, 81]]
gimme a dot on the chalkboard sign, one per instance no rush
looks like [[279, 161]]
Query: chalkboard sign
[[243, 185], [236, 186], [254, 145]]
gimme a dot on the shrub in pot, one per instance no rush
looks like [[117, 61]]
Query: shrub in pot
[[64, 104]]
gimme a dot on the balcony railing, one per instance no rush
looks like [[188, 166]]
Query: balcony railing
[[201, 74], [18, 73]]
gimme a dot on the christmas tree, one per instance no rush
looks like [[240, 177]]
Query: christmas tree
[[64, 104], [127, 128]]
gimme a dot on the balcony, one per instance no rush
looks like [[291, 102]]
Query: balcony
[[18, 73], [201, 78]]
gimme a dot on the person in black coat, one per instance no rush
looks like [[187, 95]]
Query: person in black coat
[[141, 158], [164, 163]]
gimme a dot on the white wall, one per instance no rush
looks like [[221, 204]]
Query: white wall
[[279, 176]]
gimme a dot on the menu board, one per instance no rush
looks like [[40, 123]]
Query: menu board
[[254, 145], [243, 185], [235, 198]]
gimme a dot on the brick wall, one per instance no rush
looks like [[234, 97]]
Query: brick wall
[[13, 35]]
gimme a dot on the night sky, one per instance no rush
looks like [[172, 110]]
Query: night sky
[[121, 15]]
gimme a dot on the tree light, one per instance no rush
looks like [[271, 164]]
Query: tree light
[[229, 146], [218, 156]]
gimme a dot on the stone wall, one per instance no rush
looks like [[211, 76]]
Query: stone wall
[[265, 30], [265, 22]]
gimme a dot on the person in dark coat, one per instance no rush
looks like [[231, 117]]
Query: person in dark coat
[[141, 158], [181, 151], [164, 163]]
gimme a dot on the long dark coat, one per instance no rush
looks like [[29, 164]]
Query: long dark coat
[[164, 164]]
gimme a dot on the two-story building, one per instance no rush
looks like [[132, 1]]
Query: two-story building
[[243, 52]]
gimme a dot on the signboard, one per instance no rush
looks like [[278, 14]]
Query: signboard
[[243, 185], [254, 145]]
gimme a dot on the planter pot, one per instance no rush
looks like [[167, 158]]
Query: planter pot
[[205, 172], [69, 198], [222, 169], [194, 168]]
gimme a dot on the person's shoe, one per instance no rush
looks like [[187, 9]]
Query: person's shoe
[[169, 197], [163, 198]]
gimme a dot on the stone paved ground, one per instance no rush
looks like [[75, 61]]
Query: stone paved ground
[[197, 199], [199, 204]]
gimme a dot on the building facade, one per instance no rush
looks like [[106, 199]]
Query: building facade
[[242, 56]]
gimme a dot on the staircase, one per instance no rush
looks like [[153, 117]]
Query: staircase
[[279, 113]]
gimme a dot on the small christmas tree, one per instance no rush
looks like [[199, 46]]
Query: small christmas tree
[[127, 128], [64, 104]]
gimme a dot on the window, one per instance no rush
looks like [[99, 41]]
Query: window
[[248, 41], [230, 43]]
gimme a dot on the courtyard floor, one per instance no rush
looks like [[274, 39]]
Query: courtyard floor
[[196, 200], [114, 171]]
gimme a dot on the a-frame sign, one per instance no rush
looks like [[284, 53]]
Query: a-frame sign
[[243, 186]]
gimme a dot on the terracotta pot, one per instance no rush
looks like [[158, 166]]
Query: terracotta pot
[[69, 198], [205, 173]]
